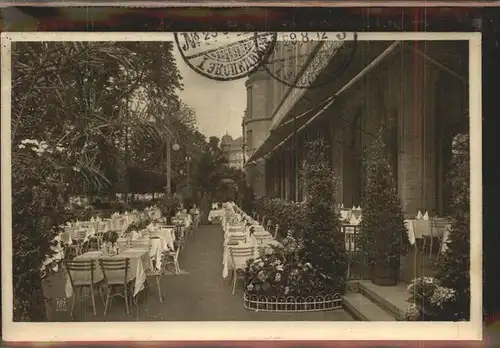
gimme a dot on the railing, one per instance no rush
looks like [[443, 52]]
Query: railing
[[292, 303], [357, 266]]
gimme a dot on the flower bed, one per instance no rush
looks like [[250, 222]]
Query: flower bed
[[279, 280]]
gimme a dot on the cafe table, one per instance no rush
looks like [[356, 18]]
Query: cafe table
[[140, 261]]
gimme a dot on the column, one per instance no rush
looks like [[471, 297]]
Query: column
[[417, 141]]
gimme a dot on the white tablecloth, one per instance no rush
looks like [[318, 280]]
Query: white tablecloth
[[71, 234], [140, 261], [215, 213], [417, 229]]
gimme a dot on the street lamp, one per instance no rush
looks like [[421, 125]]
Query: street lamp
[[175, 147]]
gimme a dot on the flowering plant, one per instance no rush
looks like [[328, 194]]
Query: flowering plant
[[430, 300], [279, 271]]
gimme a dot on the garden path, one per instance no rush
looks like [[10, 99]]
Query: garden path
[[199, 293]]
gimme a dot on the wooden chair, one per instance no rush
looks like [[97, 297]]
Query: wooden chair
[[157, 273], [116, 285], [239, 257], [235, 238], [80, 283], [172, 256], [444, 240], [438, 225], [180, 236]]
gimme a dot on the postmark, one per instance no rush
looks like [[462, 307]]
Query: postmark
[[298, 58], [225, 56]]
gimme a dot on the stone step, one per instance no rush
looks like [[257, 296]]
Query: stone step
[[361, 308], [392, 299]]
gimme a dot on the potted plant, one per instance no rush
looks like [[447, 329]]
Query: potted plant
[[383, 234]]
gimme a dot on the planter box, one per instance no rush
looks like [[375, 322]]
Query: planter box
[[291, 303]]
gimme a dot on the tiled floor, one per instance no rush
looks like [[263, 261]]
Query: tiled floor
[[199, 293]]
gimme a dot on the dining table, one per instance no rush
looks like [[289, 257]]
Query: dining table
[[140, 261]]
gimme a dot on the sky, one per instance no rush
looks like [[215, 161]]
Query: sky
[[219, 105]]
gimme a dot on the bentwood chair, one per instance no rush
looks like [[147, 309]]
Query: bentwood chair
[[239, 257], [119, 282], [82, 277]]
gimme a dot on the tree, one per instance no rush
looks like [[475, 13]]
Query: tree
[[78, 97], [383, 235], [324, 245], [454, 267]]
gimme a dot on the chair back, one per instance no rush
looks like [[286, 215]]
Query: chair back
[[81, 234], [111, 269], [268, 226], [236, 228], [237, 238], [80, 266], [240, 255]]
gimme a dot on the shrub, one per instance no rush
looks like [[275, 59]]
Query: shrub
[[38, 209], [324, 245], [288, 215], [454, 267], [383, 235]]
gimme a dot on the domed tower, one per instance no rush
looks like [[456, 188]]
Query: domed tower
[[256, 125], [225, 145]]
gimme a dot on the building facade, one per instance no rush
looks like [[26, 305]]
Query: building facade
[[233, 150], [417, 91]]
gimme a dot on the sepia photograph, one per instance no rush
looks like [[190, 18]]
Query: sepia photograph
[[262, 179]]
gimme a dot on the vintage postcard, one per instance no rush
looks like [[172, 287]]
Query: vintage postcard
[[233, 186]]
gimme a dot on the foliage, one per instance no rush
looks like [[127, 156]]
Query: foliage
[[288, 215], [280, 271], [430, 300], [383, 235], [143, 181], [75, 117], [38, 209], [248, 204], [169, 205], [454, 267], [324, 244], [110, 237]]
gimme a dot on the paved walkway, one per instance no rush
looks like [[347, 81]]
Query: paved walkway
[[199, 293]]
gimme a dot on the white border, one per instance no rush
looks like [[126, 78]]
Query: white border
[[191, 331]]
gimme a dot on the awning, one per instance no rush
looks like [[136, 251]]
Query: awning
[[284, 131], [278, 135]]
